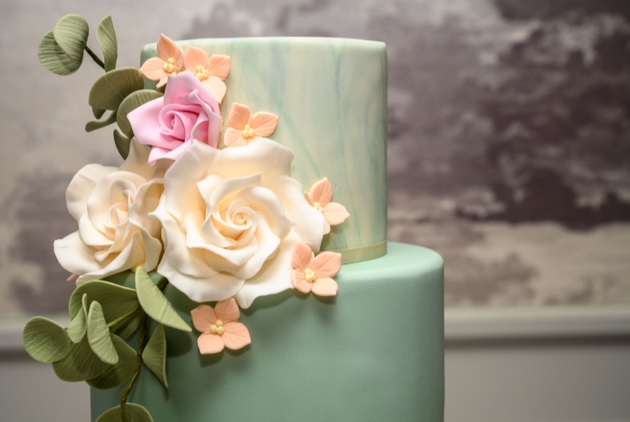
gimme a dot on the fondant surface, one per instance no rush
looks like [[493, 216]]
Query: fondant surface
[[338, 130], [372, 353]]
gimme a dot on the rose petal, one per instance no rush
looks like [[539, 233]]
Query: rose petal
[[321, 192], [82, 185], [326, 264], [302, 257], [273, 277], [227, 311], [325, 287], [239, 116], [335, 213], [209, 344], [219, 66], [236, 336], [203, 316], [193, 57]]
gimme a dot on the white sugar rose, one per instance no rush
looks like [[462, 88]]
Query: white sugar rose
[[231, 219], [112, 209]]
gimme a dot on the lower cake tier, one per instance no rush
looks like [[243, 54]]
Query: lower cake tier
[[375, 352]]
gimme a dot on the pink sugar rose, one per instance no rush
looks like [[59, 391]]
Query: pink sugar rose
[[188, 111]]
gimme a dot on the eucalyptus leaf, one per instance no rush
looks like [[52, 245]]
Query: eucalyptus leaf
[[122, 144], [106, 37], [53, 58], [71, 34], [129, 325], [133, 101], [155, 304], [45, 340], [78, 325], [116, 300], [154, 354], [111, 415], [80, 363], [98, 112], [97, 124], [135, 413], [138, 413], [113, 87], [99, 336], [119, 373]]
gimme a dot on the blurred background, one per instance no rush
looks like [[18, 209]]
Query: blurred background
[[509, 154]]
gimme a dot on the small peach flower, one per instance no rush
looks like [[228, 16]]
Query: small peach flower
[[169, 63], [210, 71], [244, 129], [314, 273], [219, 327], [319, 197]]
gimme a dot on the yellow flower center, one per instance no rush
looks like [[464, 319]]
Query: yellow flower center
[[248, 132], [217, 328], [310, 275], [202, 73], [318, 206], [169, 66]]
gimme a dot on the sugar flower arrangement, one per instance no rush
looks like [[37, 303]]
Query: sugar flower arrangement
[[213, 212]]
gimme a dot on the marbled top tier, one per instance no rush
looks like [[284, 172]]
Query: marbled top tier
[[331, 97]]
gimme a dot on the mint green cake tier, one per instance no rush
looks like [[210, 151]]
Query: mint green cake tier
[[331, 97], [373, 353]]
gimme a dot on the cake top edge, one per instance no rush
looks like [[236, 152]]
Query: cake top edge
[[355, 42]]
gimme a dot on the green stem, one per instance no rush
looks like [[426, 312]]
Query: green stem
[[162, 283], [94, 57], [134, 377], [121, 318]]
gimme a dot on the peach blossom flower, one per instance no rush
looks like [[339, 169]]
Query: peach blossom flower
[[319, 197], [313, 274], [169, 62], [244, 129], [219, 327], [210, 71]]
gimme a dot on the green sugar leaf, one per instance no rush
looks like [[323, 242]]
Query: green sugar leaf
[[113, 87], [130, 324], [106, 37], [155, 304], [53, 58], [97, 124], [116, 300], [154, 354], [45, 340], [134, 412], [122, 144], [78, 325], [119, 373], [133, 101], [138, 413], [80, 363], [97, 112], [99, 338], [71, 34]]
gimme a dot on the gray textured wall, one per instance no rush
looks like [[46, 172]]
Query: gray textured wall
[[509, 135]]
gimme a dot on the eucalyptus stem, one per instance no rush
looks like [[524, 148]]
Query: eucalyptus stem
[[121, 318], [134, 377], [94, 57]]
